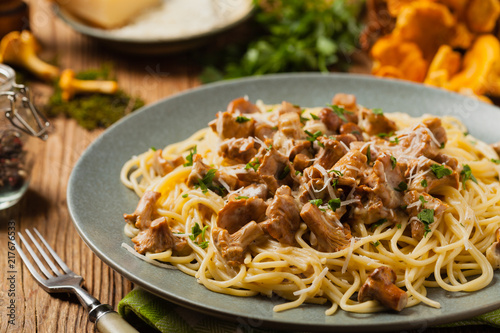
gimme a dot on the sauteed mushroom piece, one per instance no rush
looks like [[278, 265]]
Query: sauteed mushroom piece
[[493, 252], [380, 286]]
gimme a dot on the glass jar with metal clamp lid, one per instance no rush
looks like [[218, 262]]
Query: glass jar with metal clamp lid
[[20, 122]]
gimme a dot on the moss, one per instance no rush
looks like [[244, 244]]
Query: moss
[[93, 110]]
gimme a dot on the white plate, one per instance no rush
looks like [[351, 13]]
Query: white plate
[[132, 43]]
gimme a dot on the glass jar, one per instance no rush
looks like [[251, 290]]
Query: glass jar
[[20, 122]]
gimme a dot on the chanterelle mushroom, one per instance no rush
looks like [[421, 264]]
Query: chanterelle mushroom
[[380, 286], [233, 247], [480, 68], [71, 86], [18, 49], [493, 252]]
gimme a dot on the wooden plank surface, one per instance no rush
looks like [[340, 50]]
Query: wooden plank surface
[[44, 206]]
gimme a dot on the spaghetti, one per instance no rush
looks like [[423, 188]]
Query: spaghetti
[[309, 203]]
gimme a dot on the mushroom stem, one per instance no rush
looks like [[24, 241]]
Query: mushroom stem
[[42, 69], [18, 49], [103, 87], [71, 86]]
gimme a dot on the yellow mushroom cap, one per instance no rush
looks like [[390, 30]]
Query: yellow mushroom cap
[[18, 49], [480, 69]]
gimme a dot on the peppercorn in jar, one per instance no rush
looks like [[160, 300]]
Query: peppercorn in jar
[[19, 122]]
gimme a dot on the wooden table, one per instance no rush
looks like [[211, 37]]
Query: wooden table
[[44, 205]]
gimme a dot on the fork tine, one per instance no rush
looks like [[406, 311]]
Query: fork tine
[[33, 255], [60, 262], [43, 253], [26, 261]]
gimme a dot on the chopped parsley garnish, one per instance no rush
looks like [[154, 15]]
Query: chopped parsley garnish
[[466, 174], [335, 182], [495, 161], [339, 111], [241, 119], [355, 132], [196, 232], [466, 133], [314, 136], [378, 111], [189, 158], [402, 187], [241, 197], [442, 145], [185, 195], [337, 172], [368, 155], [253, 165], [422, 199], [399, 226], [393, 162], [426, 216], [284, 173], [313, 116], [395, 141], [303, 119], [298, 173], [203, 245], [378, 224], [270, 147], [385, 135], [440, 170], [316, 202], [206, 183], [153, 148], [377, 243], [334, 204], [423, 182]]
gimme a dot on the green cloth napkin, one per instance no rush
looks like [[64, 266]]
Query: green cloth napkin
[[141, 307]]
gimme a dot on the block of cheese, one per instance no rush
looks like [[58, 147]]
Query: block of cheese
[[106, 14]]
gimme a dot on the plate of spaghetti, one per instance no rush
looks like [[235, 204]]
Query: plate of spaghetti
[[302, 201]]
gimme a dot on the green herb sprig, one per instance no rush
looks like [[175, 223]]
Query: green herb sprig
[[196, 232], [426, 216]]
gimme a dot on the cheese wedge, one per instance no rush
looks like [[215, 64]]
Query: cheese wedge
[[106, 14]]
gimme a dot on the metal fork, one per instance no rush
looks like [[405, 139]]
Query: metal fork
[[55, 281]]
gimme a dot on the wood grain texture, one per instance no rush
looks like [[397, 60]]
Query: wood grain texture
[[44, 206]]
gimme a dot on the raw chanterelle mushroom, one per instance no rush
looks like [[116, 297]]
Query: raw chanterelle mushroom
[[71, 86], [19, 49], [380, 286]]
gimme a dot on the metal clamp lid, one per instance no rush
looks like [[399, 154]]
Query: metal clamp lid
[[38, 125]]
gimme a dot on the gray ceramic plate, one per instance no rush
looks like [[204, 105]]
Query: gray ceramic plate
[[147, 46], [97, 199]]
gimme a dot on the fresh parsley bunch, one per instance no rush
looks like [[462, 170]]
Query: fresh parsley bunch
[[297, 35]]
